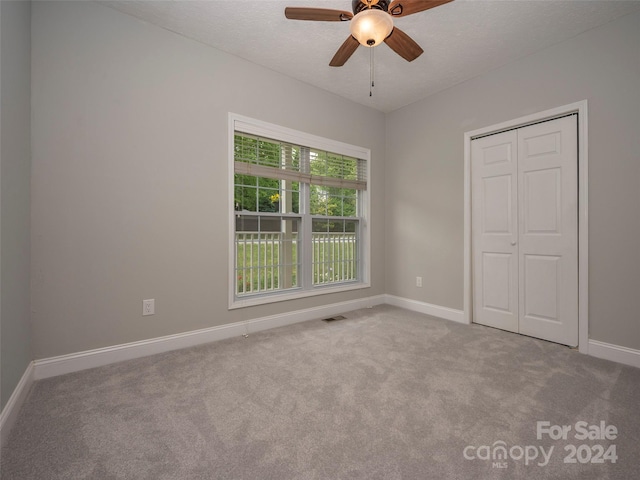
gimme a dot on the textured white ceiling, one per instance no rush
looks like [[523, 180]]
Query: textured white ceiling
[[461, 39]]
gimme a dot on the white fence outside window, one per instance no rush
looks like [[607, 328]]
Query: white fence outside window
[[260, 265]]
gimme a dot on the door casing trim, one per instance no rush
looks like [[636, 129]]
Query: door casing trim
[[583, 211]]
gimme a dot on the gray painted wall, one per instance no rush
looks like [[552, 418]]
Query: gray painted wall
[[129, 181], [424, 211], [15, 166]]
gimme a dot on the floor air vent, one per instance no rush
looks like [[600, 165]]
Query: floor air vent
[[333, 319]]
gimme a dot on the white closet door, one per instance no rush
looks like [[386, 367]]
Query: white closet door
[[495, 230], [525, 230], [548, 225]]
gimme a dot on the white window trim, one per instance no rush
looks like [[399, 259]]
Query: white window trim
[[276, 132]]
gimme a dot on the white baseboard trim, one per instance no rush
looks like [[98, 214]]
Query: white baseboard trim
[[615, 353], [427, 308], [9, 413], [51, 367]]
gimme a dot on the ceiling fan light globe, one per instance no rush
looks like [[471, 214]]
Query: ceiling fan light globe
[[371, 26]]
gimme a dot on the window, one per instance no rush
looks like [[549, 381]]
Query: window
[[299, 205]]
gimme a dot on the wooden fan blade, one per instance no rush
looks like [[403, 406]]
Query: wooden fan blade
[[403, 45], [344, 52], [317, 14], [402, 8]]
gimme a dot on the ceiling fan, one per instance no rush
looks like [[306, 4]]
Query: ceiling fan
[[371, 24]]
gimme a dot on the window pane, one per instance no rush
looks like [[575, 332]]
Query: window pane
[[350, 202], [335, 251], [266, 250], [333, 201], [289, 197], [318, 200], [258, 194]]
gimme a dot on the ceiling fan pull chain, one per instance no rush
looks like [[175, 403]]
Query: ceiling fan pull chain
[[373, 68], [371, 72]]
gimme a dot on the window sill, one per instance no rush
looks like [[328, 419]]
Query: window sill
[[250, 301]]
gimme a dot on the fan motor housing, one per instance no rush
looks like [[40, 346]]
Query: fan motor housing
[[359, 5]]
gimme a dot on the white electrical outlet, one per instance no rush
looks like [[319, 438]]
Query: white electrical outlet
[[418, 281], [149, 307]]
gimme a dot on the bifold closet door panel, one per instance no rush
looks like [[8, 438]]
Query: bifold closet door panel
[[548, 227], [495, 230]]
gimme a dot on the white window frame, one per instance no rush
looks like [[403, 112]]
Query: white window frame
[[239, 123]]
